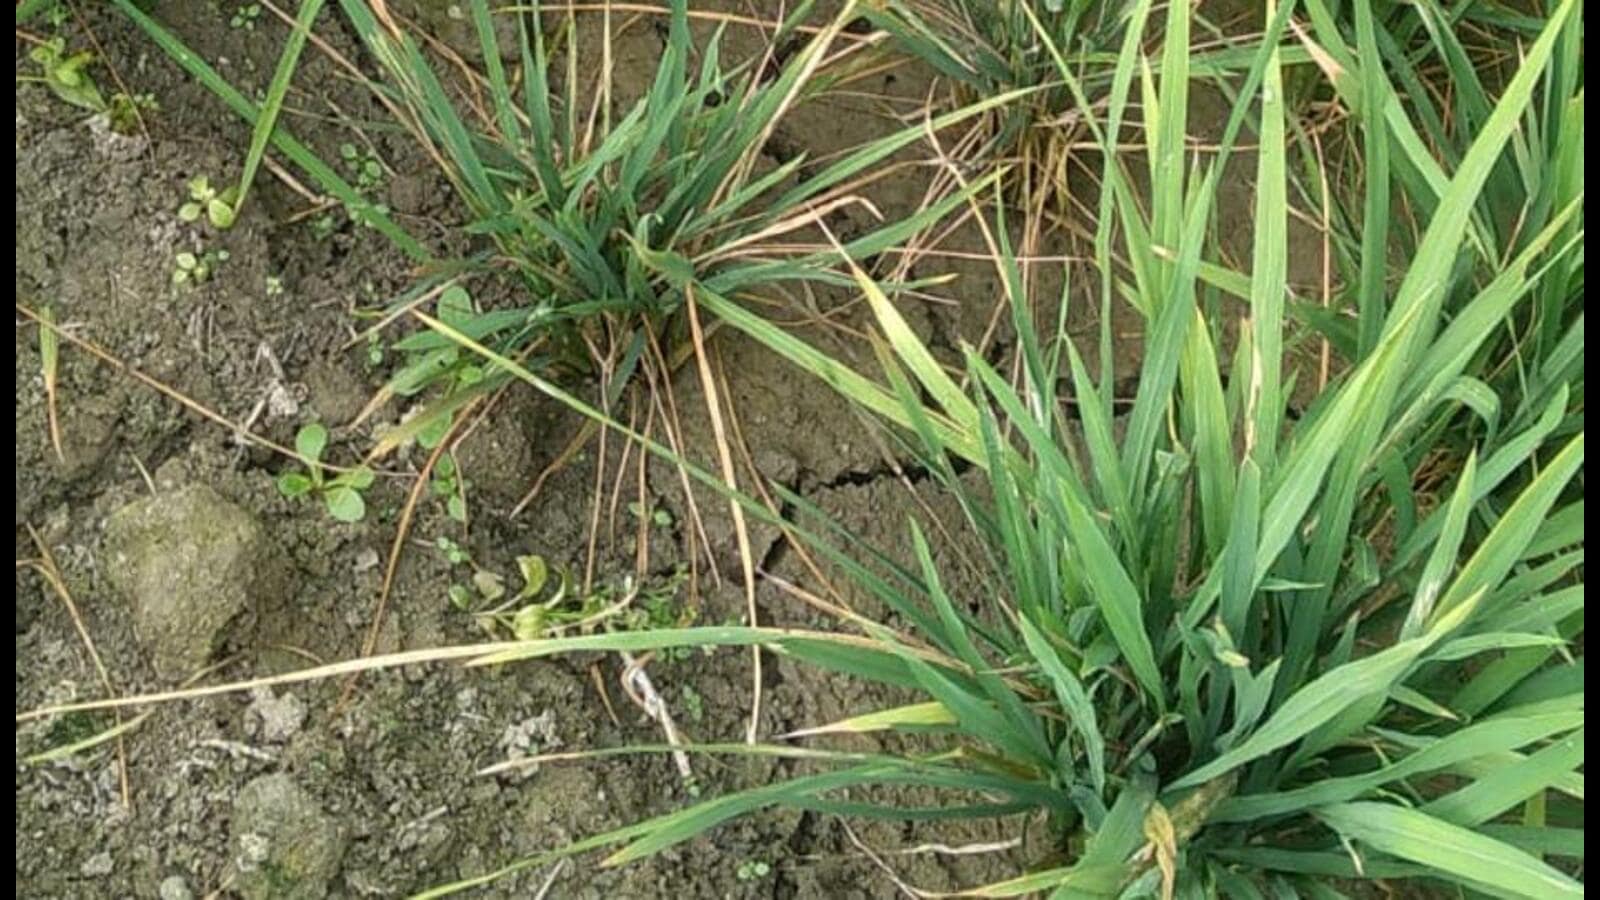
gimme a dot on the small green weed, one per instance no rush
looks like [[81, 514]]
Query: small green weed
[[657, 516], [753, 870], [453, 552], [65, 74], [245, 16], [192, 269], [340, 495], [693, 703], [126, 111], [218, 207], [448, 482], [364, 165], [550, 603], [375, 352]]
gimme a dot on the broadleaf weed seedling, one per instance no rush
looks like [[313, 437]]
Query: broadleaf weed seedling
[[364, 166], [204, 200], [245, 16], [193, 269], [657, 516], [448, 483], [453, 552], [341, 494], [125, 111], [65, 74], [753, 870]]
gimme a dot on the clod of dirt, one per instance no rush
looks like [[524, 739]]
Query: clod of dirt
[[189, 562], [336, 393], [88, 432], [498, 447], [174, 888], [278, 718], [530, 737], [98, 865], [285, 846]]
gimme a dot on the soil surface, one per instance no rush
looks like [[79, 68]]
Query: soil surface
[[182, 559]]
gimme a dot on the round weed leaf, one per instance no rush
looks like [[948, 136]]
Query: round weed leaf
[[528, 623], [534, 574], [345, 504], [455, 306], [293, 484], [220, 213], [491, 586], [435, 431], [311, 441], [360, 478]]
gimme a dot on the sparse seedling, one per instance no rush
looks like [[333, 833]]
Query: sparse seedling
[[56, 14], [323, 226], [364, 166], [450, 484], [195, 269], [341, 494], [204, 200], [367, 176], [693, 703], [274, 286], [127, 110], [244, 17], [453, 552], [375, 352], [657, 516], [530, 614], [753, 870]]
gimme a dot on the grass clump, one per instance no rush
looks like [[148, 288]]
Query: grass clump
[[607, 223], [982, 49], [1226, 653], [1233, 647]]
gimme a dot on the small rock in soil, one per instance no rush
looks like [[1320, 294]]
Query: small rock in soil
[[97, 866], [531, 736], [278, 717], [188, 561], [285, 846]]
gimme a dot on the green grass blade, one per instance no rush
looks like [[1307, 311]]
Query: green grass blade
[[499, 88], [1325, 698], [1502, 549], [1269, 268], [277, 90], [1445, 553], [1074, 700], [1508, 787], [1496, 735], [1462, 855]]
